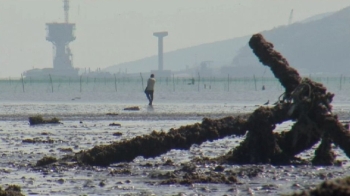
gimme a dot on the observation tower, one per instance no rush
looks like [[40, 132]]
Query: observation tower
[[60, 35]]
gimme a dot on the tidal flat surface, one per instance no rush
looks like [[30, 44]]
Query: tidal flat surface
[[87, 125]]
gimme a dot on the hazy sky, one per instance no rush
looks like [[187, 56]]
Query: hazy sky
[[109, 32]]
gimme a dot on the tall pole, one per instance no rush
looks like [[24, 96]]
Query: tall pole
[[160, 36], [160, 53], [22, 82]]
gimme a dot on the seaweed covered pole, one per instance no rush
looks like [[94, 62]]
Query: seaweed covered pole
[[309, 105], [288, 76], [261, 144], [310, 100], [158, 143]]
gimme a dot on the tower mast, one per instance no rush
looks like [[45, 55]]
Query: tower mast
[[66, 10]]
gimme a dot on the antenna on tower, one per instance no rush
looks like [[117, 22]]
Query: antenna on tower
[[66, 10], [290, 17]]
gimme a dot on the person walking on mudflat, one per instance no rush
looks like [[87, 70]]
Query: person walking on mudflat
[[150, 88]]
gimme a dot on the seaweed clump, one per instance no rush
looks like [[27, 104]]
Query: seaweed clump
[[12, 190], [38, 119], [133, 108], [45, 161], [189, 174], [37, 140], [329, 187]]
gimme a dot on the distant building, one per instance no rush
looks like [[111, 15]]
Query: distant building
[[60, 34]]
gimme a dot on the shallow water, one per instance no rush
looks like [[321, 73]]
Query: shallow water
[[86, 124]]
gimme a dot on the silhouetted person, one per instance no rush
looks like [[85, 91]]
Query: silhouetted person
[[150, 88]]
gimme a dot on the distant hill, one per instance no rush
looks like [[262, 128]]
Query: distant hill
[[316, 47], [220, 53]]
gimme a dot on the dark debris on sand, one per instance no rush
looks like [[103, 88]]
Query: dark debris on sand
[[189, 174], [133, 108], [46, 161], [337, 187], [11, 190], [38, 140], [37, 120]]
